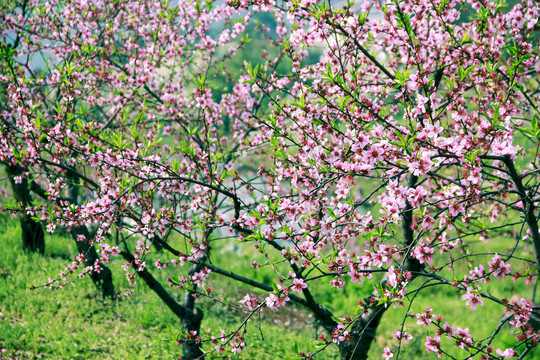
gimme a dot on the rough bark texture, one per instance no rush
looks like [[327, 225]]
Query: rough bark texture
[[362, 335], [191, 350], [190, 317], [363, 331], [192, 322], [528, 202], [102, 279], [33, 237]]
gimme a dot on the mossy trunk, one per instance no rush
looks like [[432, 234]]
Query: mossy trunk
[[191, 322], [362, 335], [191, 349], [190, 316], [103, 278], [33, 236], [363, 331]]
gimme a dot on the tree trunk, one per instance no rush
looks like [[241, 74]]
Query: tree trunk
[[102, 279], [191, 317], [363, 331], [191, 349], [33, 237], [362, 335]]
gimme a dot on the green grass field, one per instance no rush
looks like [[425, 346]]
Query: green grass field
[[75, 322]]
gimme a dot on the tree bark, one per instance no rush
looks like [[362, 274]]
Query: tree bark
[[363, 331], [33, 236], [191, 349], [102, 279], [528, 203], [190, 316], [362, 335], [192, 322]]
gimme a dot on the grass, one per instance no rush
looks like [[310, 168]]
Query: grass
[[71, 323], [75, 322]]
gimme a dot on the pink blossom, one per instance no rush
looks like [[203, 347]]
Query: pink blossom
[[434, 344], [428, 222], [299, 284], [423, 253], [402, 335], [51, 227], [387, 354], [465, 339], [507, 354], [473, 298], [250, 302], [424, 318], [449, 330], [521, 312], [498, 267]]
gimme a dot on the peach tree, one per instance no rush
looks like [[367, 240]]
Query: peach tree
[[404, 160]]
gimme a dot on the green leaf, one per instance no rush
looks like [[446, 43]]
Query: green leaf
[[464, 73], [496, 114], [331, 213], [252, 72], [287, 230], [534, 123], [200, 81]]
